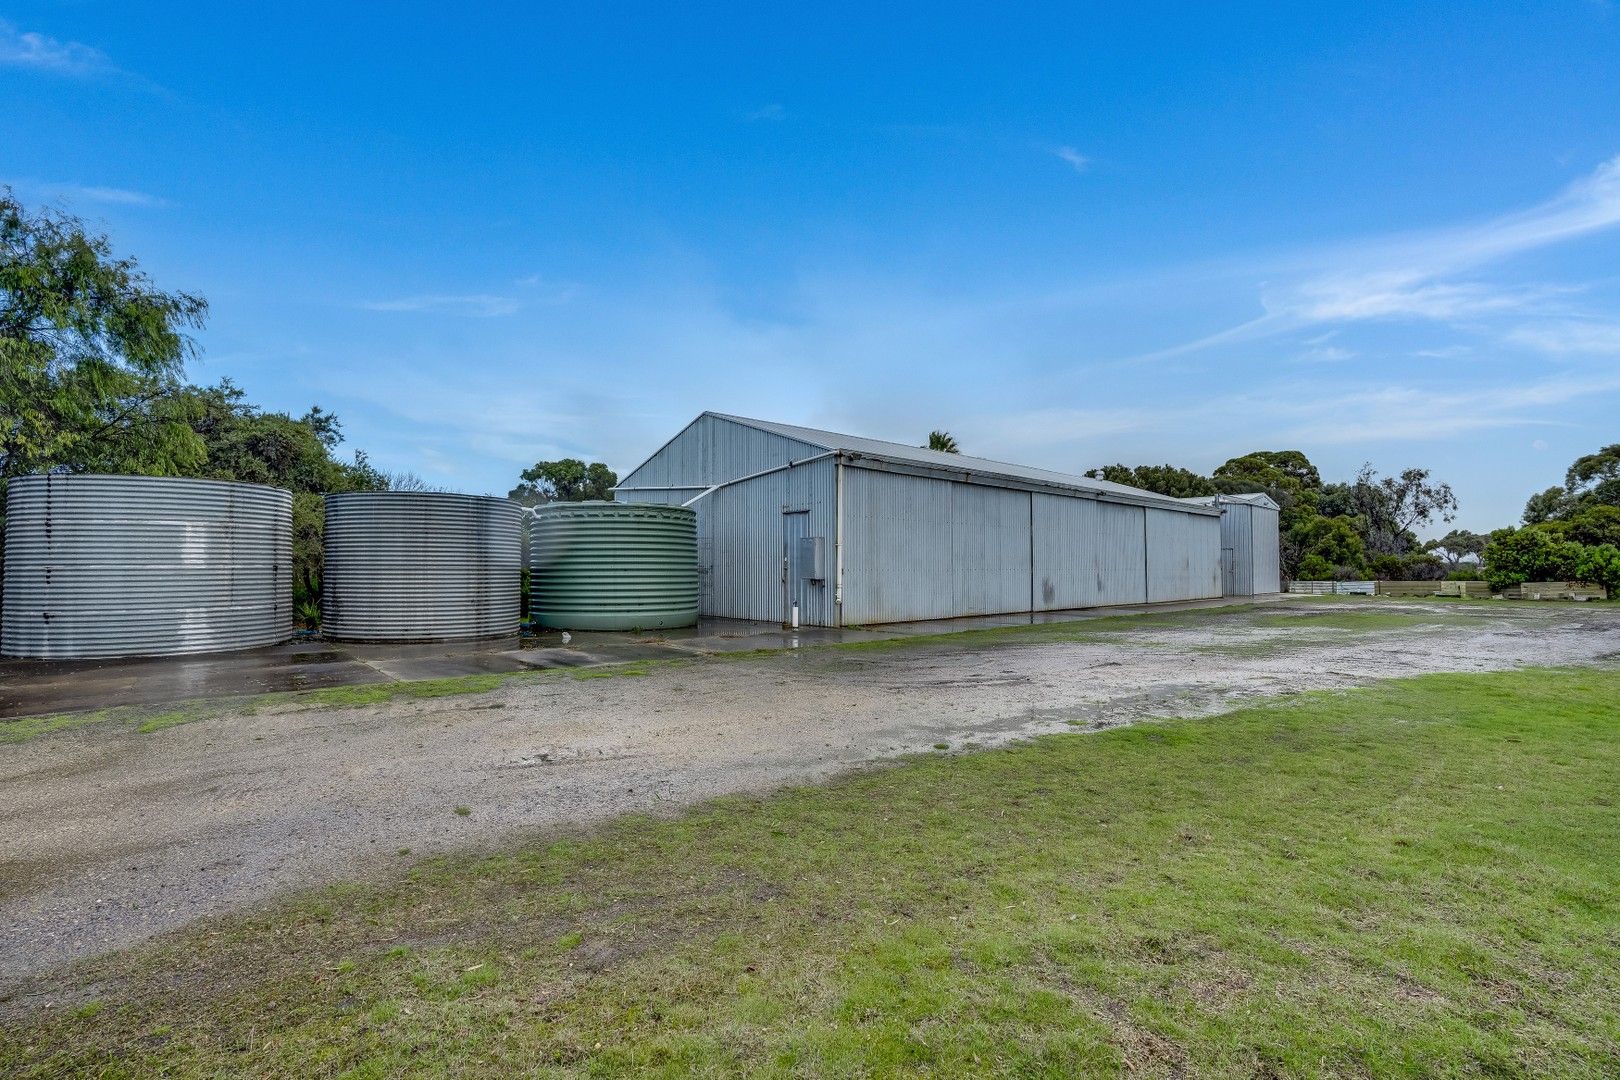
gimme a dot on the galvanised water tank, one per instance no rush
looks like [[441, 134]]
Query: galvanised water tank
[[420, 566], [613, 566], [101, 566]]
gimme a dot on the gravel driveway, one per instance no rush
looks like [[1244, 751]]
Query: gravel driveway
[[113, 836]]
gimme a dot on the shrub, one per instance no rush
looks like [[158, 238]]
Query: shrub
[[1533, 553], [1600, 565]]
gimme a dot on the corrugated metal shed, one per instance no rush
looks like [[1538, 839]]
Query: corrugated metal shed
[[1251, 557], [905, 533]]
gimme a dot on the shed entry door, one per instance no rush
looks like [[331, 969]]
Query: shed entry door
[[795, 529]]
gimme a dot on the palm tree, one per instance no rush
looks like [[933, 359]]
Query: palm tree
[[942, 440]]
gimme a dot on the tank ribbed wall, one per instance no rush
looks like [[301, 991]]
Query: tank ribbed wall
[[420, 566], [613, 566], [101, 566]]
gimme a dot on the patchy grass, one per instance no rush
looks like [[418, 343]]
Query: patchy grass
[[147, 719], [1364, 621], [1415, 879], [27, 727]]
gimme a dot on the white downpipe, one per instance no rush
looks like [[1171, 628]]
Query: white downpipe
[[706, 492], [838, 542]]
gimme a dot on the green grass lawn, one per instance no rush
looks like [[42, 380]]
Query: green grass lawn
[[1418, 879]]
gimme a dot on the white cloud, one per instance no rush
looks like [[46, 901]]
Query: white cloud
[[1432, 276], [89, 193], [1570, 337], [472, 305], [39, 52], [773, 111], [1073, 158], [1307, 414], [1326, 354]]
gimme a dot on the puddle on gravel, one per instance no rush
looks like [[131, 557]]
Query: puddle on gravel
[[568, 755]]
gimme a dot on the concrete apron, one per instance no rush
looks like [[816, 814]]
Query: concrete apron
[[40, 687]]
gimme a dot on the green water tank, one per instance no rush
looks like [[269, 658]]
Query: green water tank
[[613, 566]]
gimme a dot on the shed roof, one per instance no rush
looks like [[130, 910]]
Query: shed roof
[[1253, 498], [900, 453]]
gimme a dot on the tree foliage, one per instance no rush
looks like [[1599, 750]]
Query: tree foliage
[[1326, 548], [943, 441], [1169, 480], [1457, 546], [1530, 554], [565, 480], [1391, 508], [1287, 477], [1591, 480], [91, 353]]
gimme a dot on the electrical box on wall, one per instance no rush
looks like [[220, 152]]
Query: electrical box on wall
[[812, 558]]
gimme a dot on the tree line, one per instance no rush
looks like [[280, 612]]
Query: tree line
[[1367, 526]]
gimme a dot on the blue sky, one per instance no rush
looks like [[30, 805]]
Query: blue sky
[[1385, 233]]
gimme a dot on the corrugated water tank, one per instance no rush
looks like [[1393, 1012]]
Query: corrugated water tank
[[613, 566], [100, 566], [420, 566]]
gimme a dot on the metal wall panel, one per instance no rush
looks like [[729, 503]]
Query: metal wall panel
[[990, 550], [740, 544], [1237, 549], [897, 548], [1087, 553], [710, 450], [1183, 555], [1250, 557], [144, 566], [1267, 575]]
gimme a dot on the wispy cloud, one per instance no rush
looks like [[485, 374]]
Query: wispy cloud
[[40, 52], [766, 113], [1308, 414], [1432, 276], [87, 193], [1570, 338], [1073, 158], [472, 305]]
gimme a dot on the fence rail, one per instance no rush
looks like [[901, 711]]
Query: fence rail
[[1333, 588], [1555, 590], [1478, 590]]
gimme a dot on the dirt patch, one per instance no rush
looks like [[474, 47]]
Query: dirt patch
[[128, 835]]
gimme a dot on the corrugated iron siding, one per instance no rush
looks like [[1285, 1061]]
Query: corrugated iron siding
[[711, 451], [897, 548], [1267, 545], [990, 550], [1183, 555], [740, 544], [1088, 553], [1237, 549], [921, 548], [1250, 559]]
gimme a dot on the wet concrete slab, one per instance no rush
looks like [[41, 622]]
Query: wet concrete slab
[[33, 688]]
